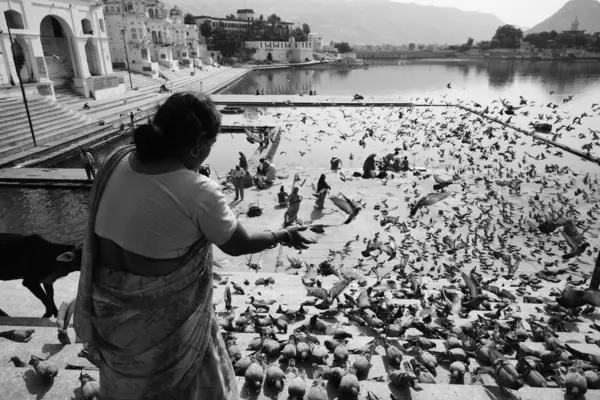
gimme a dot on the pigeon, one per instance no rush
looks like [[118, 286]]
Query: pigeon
[[347, 205], [429, 200]]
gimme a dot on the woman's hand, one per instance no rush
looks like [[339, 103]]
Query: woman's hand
[[293, 238]]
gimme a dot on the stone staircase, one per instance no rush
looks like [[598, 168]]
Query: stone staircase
[[76, 124], [289, 291], [49, 119], [66, 94]]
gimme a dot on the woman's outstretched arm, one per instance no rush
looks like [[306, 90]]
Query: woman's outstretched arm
[[242, 242]]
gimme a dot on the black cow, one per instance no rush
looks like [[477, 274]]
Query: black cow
[[39, 263]]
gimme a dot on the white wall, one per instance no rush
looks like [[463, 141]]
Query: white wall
[[282, 51]]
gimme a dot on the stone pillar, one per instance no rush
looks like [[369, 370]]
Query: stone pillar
[[81, 58], [104, 56], [37, 59], [9, 63]]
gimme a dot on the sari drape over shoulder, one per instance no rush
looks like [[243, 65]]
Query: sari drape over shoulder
[[151, 337]]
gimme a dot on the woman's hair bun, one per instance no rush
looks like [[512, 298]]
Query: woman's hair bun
[[150, 143]]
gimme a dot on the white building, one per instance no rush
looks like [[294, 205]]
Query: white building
[[149, 34], [243, 21], [56, 43], [291, 51], [316, 40]]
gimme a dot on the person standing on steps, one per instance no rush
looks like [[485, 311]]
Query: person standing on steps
[[88, 163], [132, 118], [147, 262], [238, 175], [243, 162]]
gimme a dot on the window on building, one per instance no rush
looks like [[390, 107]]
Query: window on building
[[86, 25], [141, 33], [118, 9], [14, 19], [157, 14], [151, 13], [133, 33], [130, 6], [101, 23]]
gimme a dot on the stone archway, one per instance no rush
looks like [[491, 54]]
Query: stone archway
[[58, 46], [91, 54], [269, 57]]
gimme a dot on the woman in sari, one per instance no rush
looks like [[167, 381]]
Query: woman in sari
[[322, 189], [144, 306], [291, 215]]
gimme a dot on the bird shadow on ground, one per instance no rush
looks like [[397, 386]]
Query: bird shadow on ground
[[36, 385], [51, 349]]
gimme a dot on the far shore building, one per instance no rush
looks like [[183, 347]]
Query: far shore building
[[151, 36], [290, 51], [243, 21], [57, 43], [317, 41]]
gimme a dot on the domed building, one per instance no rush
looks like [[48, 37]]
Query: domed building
[[176, 15], [155, 35]]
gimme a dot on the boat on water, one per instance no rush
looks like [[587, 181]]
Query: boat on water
[[232, 110]]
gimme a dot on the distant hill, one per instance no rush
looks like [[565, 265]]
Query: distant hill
[[586, 11], [364, 21]]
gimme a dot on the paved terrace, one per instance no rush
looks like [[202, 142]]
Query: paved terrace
[[491, 213]]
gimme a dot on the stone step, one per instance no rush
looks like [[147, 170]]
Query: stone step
[[23, 383], [17, 106], [39, 120], [21, 125], [44, 343], [43, 136]]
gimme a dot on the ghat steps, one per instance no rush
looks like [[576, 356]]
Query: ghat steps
[[76, 124], [288, 290]]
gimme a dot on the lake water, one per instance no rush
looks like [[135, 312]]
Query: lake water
[[60, 214], [477, 80]]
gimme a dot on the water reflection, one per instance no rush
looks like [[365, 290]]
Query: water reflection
[[427, 75]]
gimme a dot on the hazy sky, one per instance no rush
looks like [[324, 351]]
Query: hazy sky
[[520, 12]]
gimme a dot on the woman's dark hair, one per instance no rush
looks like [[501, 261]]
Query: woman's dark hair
[[178, 123]]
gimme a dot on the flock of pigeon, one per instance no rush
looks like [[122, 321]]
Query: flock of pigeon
[[491, 238], [474, 265]]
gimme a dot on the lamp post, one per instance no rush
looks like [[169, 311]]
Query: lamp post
[[193, 59], [127, 58], [12, 46]]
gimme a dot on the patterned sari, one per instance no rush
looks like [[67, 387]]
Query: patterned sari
[[151, 337]]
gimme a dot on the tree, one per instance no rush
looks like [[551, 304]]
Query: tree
[[484, 45], [299, 35], [230, 17], [206, 29], [189, 19], [306, 28], [343, 47], [421, 47], [261, 19], [273, 19], [470, 42], [508, 36], [411, 46]]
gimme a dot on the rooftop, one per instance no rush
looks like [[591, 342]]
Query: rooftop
[[245, 11]]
